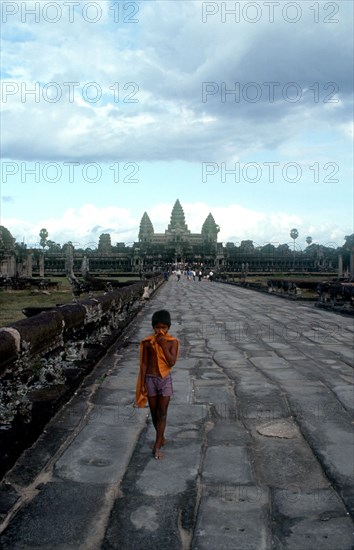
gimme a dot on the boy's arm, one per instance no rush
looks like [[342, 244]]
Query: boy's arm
[[144, 362], [169, 348]]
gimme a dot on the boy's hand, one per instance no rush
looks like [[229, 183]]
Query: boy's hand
[[160, 338]]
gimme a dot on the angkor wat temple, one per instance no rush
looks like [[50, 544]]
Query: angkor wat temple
[[176, 246]]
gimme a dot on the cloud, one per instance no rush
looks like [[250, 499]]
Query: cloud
[[170, 120], [84, 225], [162, 62]]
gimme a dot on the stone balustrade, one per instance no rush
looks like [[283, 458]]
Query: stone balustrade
[[43, 358]]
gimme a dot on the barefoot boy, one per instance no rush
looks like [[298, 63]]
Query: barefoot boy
[[158, 354]]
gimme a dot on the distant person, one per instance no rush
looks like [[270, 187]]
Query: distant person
[[200, 275], [158, 354], [211, 276], [178, 273], [146, 293]]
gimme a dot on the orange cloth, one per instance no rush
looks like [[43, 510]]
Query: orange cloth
[[163, 366]]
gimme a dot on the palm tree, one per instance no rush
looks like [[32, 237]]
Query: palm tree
[[43, 235], [294, 235]]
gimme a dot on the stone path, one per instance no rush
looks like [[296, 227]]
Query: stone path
[[260, 438]]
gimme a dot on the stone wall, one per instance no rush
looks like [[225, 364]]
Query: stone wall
[[43, 358]]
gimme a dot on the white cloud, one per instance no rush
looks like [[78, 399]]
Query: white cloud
[[170, 121], [84, 225], [168, 54]]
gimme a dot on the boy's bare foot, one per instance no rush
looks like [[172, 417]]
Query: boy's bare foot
[[157, 454]]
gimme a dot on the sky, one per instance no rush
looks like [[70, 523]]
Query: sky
[[242, 109]]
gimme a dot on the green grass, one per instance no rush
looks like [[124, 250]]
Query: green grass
[[12, 302]]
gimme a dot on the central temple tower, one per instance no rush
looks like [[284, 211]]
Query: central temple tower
[[177, 244]]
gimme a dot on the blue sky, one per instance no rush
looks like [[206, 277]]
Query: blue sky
[[241, 109]]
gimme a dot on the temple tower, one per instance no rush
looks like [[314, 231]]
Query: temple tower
[[146, 230], [210, 230], [178, 220]]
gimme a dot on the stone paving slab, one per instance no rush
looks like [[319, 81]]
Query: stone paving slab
[[286, 462], [138, 523], [69, 525], [172, 474], [108, 396], [294, 502], [182, 415], [226, 430], [333, 533], [117, 382], [345, 395], [227, 464], [99, 454], [230, 358], [259, 403], [235, 519], [213, 391], [266, 362]]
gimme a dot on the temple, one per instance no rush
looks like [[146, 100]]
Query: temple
[[177, 244], [176, 247]]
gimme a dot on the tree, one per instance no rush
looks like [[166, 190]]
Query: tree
[[346, 249], [53, 247], [349, 242], [21, 250], [283, 249], [268, 248], [89, 250], [294, 235], [308, 240], [7, 241], [43, 235]]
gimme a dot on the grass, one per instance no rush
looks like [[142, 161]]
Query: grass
[[12, 302]]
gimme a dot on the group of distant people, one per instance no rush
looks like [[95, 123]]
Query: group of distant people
[[191, 275]]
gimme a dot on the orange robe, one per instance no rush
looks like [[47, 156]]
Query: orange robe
[[163, 366]]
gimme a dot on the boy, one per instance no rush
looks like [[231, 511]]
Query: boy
[[158, 354]]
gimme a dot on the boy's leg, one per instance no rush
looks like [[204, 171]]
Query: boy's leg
[[162, 407], [153, 409], [153, 404]]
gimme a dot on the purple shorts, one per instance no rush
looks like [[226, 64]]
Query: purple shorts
[[159, 386]]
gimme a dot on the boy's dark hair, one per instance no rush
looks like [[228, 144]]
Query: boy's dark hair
[[161, 316]]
